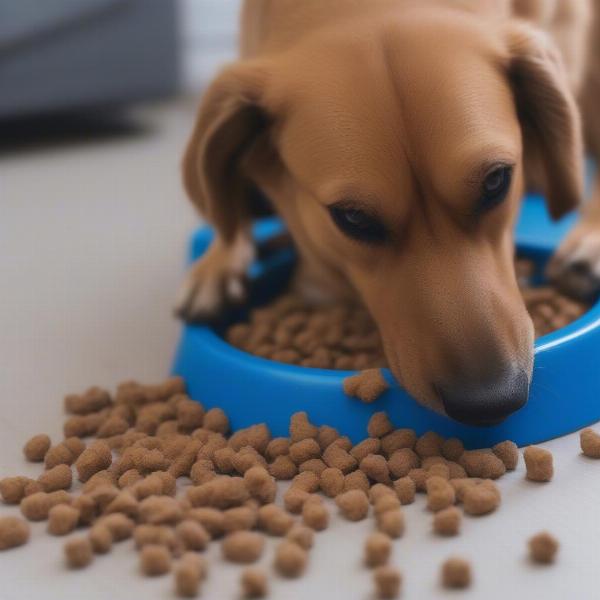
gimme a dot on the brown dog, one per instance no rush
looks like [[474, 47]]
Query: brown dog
[[394, 138]]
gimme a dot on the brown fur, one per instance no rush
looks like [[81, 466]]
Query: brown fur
[[399, 106]]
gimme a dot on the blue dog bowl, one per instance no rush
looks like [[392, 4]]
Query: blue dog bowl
[[565, 390]]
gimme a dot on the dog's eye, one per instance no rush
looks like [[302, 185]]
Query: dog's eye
[[357, 224], [495, 187]]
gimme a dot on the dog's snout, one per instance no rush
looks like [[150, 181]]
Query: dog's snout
[[486, 402]]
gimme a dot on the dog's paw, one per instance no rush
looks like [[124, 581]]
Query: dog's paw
[[216, 282], [575, 268]]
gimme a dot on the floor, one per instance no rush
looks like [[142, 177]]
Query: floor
[[92, 238]]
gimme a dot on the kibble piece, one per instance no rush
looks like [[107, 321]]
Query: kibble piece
[[283, 468], [338, 458], [439, 470], [216, 420], [429, 444], [332, 482], [254, 583], [315, 514], [290, 559], [455, 471], [294, 499], [452, 449], [539, 463], [221, 492], [58, 455], [447, 521], [120, 526], [391, 522], [508, 453], [590, 443], [367, 385], [274, 520], [378, 491], [159, 510], [243, 546], [277, 447], [419, 476], [543, 547], [402, 461], [154, 534], [301, 535], [95, 458], [155, 559], [240, 517], [75, 446], [301, 428], [482, 464], [35, 449], [456, 573], [353, 504], [397, 439], [440, 494], [57, 478], [62, 519], [37, 506], [211, 519], [13, 532], [356, 480], [379, 425], [260, 484], [100, 538], [375, 467], [387, 582], [114, 425], [307, 481], [188, 575], [327, 435], [481, 499], [192, 535], [305, 450], [366, 447], [378, 548], [78, 552], [12, 489], [385, 503]]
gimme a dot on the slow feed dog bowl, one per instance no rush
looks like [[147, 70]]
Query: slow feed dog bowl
[[565, 391]]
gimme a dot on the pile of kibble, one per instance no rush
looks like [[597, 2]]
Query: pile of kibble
[[132, 453], [345, 337]]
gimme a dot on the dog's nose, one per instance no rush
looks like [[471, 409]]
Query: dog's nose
[[486, 402]]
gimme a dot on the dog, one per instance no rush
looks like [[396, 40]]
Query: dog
[[395, 138]]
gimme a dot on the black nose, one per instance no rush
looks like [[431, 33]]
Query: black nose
[[486, 402]]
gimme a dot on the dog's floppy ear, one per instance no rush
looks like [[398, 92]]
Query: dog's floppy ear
[[230, 120], [549, 116]]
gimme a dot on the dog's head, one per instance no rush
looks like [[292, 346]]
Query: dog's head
[[395, 149]]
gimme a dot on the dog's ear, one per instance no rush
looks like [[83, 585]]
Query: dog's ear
[[230, 120], [549, 117]]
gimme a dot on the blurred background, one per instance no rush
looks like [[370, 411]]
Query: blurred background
[[97, 99]]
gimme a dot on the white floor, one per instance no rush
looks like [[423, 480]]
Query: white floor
[[92, 237]]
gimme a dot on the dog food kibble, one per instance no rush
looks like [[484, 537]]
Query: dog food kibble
[[100, 538], [242, 546], [440, 494], [35, 449], [315, 514], [375, 467], [367, 385], [188, 575], [378, 548], [13, 532], [481, 499], [447, 521], [158, 435], [62, 519], [590, 443], [405, 489], [543, 548], [78, 552], [155, 559], [539, 463], [387, 582], [254, 583], [57, 478], [456, 573], [290, 559], [301, 535], [429, 444]]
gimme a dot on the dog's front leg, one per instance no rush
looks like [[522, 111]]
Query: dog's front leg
[[217, 280], [575, 267]]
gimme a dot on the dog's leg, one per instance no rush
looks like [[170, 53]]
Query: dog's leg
[[216, 280], [575, 267]]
